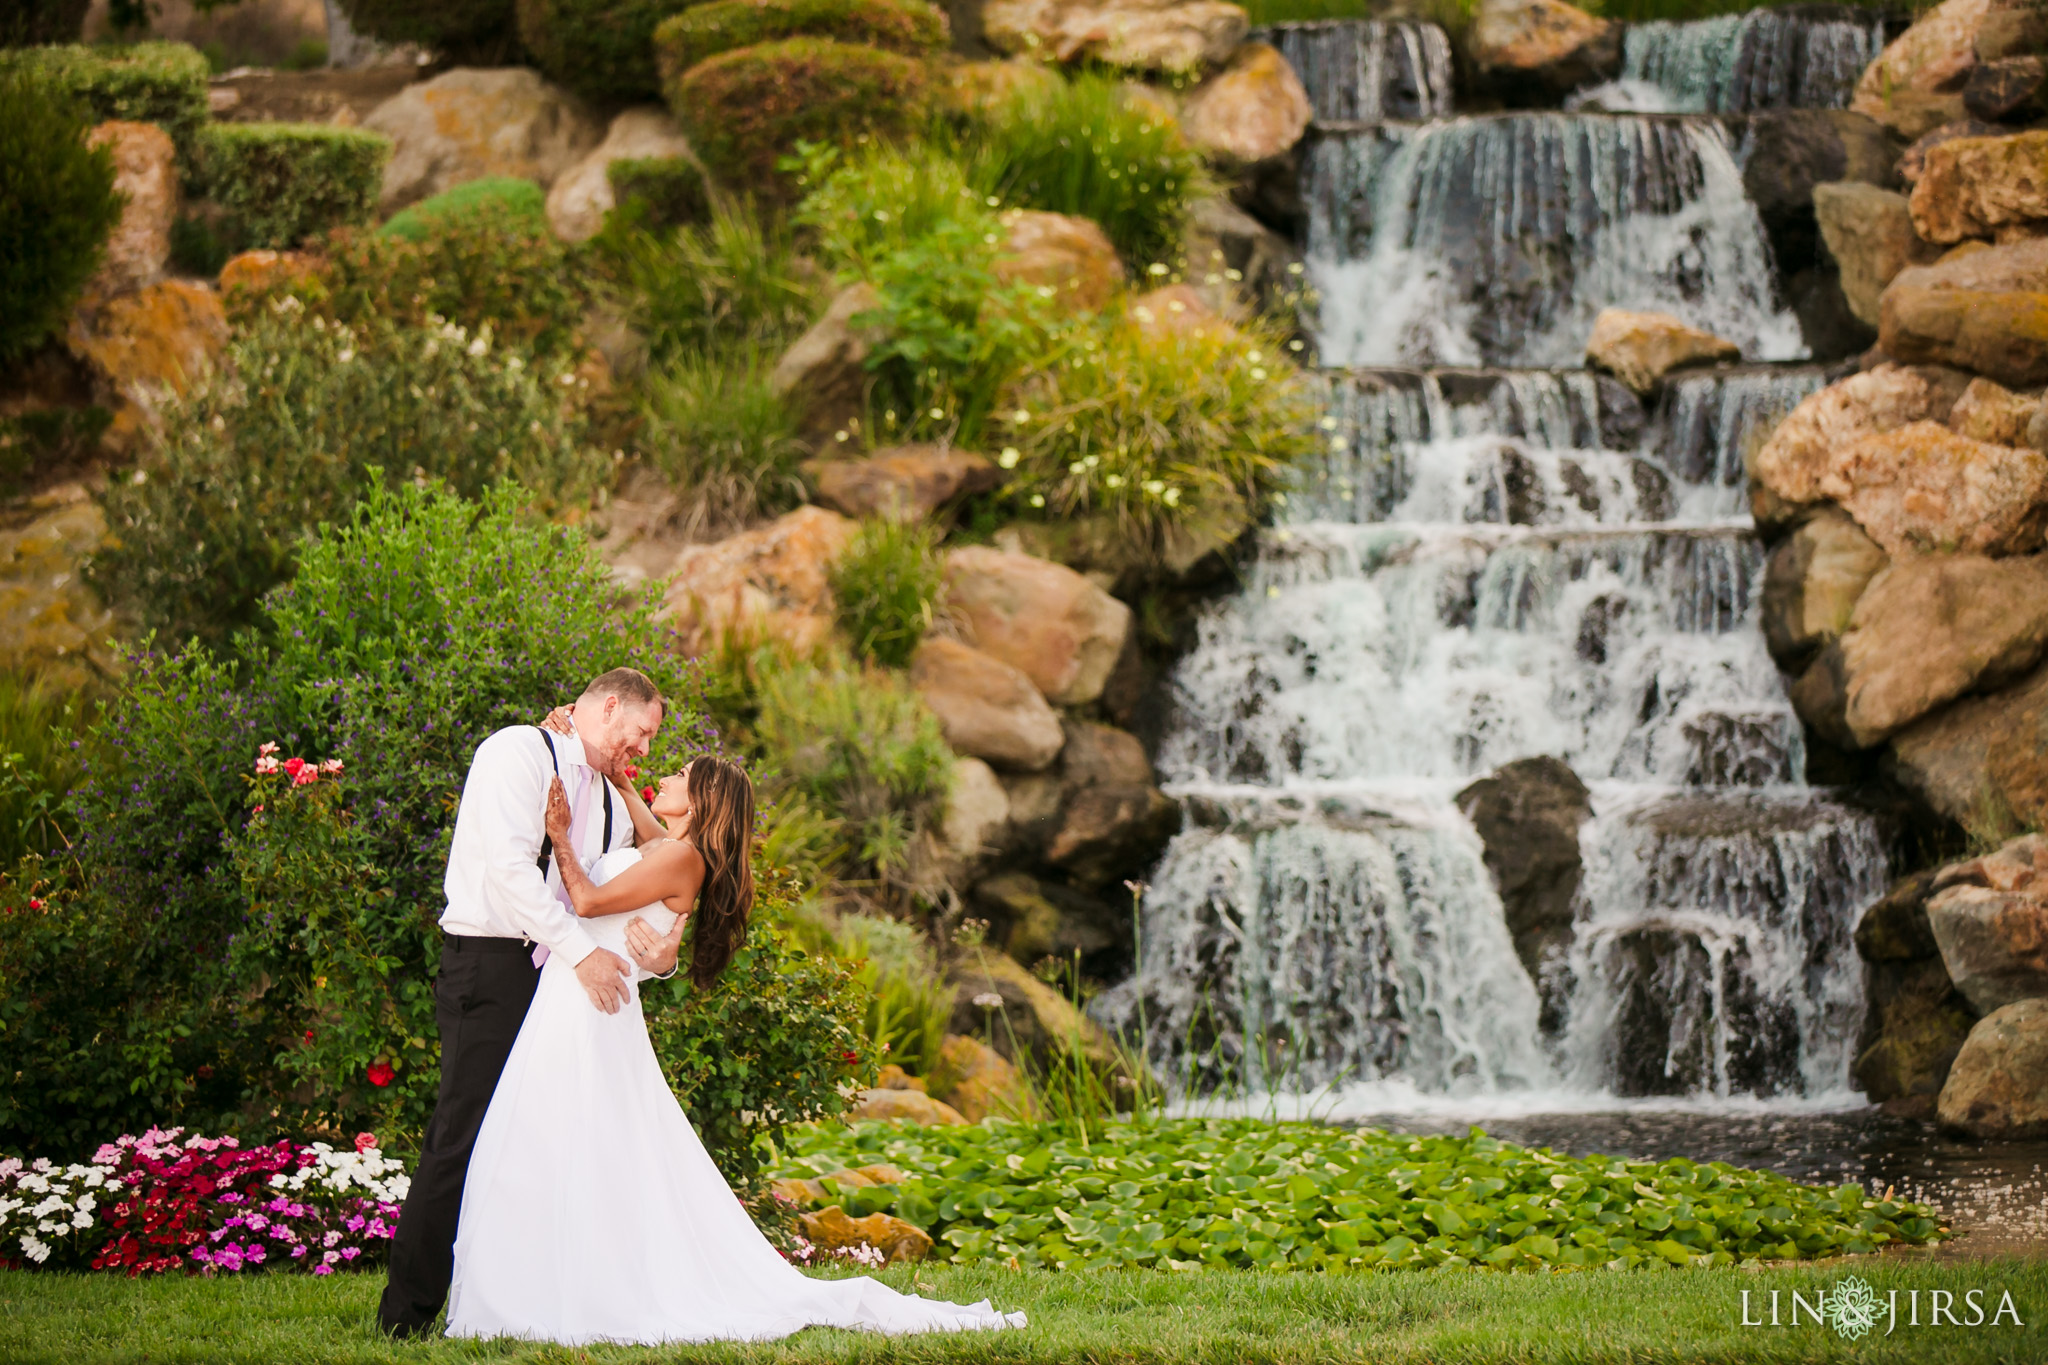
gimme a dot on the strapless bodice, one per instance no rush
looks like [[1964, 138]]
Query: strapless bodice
[[610, 930]]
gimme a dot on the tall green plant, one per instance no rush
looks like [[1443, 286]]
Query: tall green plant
[[41, 729], [733, 283], [57, 206], [888, 583], [724, 437]]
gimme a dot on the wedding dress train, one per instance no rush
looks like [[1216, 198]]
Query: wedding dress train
[[592, 1212]]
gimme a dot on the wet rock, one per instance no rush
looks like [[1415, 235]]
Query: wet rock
[[1071, 256], [146, 173], [1109, 833], [903, 483], [1790, 153], [1792, 464], [1998, 1087], [1811, 585], [903, 1106], [147, 347], [770, 583], [898, 1241], [979, 1081], [824, 371], [1035, 918], [1895, 928], [1869, 233], [1534, 52], [1639, 349], [1061, 630], [1982, 760], [1924, 489], [987, 707], [1102, 756], [977, 813], [1141, 36], [1985, 311], [2009, 88], [50, 621], [1528, 815], [472, 122], [1914, 1024], [1253, 110], [1990, 920], [1972, 186], [1916, 82], [1913, 161], [582, 195]]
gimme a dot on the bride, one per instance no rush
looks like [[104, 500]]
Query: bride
[[592, 1212]]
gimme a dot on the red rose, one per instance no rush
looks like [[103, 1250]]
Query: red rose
[[34, 904], [647, 795], [631, 772], [309, 1035], [294, 766], [380, 1073], [849, 1057]]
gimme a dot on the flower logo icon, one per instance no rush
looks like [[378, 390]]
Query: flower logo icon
[[1853, 1308]]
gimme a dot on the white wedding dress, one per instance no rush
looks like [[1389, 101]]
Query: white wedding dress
[[592, 1213]]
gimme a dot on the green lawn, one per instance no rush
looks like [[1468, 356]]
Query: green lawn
[[1228, 1318]]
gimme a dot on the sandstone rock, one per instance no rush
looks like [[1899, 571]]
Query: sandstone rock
[[1061, 630], [146, 347], [1915, 83], [2007, 88], [1913, 161], [1986, 311], [1990, 920], [1109, 833], [1793, 463], [773, 582], [1895, 927], [898, 1241], [1033, 920], [50, 621], [977, 812], [1253, 110], [1641, 348], [1971, 186], [1982, 760], [1102, 756], [894, 1077], [146, 171], [974, 87], [903, 483], [255, 272], [1869, 233], [1993, 413], [978, 1081], [1057, 251], [1998, 1087], [1924, 488], [1528, 814], [2012, 28], [473, 122], [825, 369], [582, 194], [903, 1106], [1036, 1018], [1811, 585], [1535, 51], [1915, 1022], [987, 707], [1144, 35], [1176, 310]]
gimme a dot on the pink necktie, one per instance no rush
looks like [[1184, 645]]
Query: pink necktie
[[577, 780]]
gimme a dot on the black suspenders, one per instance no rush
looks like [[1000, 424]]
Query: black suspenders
[[547, 841]]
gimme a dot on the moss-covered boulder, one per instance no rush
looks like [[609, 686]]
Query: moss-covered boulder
[[499, 195], [601, 49], [744, 110], [911, 27]]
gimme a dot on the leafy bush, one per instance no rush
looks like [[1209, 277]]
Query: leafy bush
[[1248, 1194], [911, 27], [744, 110], [909, 1000], [725, 439], [289, 437], [57, 207], [887, 584], [734, 284], [160, 83], [462, 32], [280, 183], [670, 190], [40, 737], [601, 49], [510, 199], [862, 205]]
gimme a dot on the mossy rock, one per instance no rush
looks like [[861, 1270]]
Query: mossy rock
[[601, 49], [494, 194], [744, 110], [278, 184], [910, 27], [669, 189]]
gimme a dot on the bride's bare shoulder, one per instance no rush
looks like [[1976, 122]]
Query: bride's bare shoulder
[[672, 853]]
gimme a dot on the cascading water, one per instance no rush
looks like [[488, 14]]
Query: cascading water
[[1489, 564], [1803, 57], [1368, 71]]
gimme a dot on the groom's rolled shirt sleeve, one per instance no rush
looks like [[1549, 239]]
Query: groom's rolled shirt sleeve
[[498, 833]]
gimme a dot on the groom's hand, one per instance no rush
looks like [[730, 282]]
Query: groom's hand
[[655, 953], [603, 975]]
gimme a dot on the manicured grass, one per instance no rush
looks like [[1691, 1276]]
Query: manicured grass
[[1224, 1318]]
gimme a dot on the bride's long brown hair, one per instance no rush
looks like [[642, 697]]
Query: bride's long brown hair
[[722, 828]]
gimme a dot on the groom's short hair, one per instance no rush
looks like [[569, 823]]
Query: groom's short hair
[[629, 685]]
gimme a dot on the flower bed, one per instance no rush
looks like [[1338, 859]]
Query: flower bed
[[169, 1201]]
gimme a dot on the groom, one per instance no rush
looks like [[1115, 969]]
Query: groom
[[506, 913]]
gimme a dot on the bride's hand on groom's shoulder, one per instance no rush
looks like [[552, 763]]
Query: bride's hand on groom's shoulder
[[556, 817], [559, 721]]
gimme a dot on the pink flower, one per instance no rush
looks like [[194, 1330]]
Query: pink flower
[[332, 767], [305, 777], [366, 1142], [323, 1270], [266, 759], [107, 1155]]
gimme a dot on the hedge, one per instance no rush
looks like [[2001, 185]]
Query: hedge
[[744, 110], [911, 27], [670, 187], [505, 195], [57, 207], [601, 49], [160, 83], [279, 183]]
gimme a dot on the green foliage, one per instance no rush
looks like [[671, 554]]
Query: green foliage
[[1679, 11], [909, 1002], [249, 465], [734, 284], [1244, 1194], [57, 207], [744, 110], [35, 442], [725, 439], [507, 198], [40, 734], [863, 205], [160, 83], [280, 183], [911, 27], [601, 49], [888, 583], [462, 32], [670, 190]]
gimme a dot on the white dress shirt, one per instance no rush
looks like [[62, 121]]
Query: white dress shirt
[[494, 884]]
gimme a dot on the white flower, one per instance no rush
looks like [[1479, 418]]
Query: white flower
[[989, 1000], [1008, 459]]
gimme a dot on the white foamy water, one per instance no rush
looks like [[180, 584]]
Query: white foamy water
[[1809, 57]]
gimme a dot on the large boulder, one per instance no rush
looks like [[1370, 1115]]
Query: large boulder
[[1639, 349], [1528, 814], [472, 122], [1985, 311], [1998, 1087], [833, 1230], [977, 87], [903, 1106], [1789, 153], [1982, 758], [146, 348], [1143, 35], [1990, 920], [1537, 51], [1869, 233], [771, 583], [1913, 161], [903, 483], [2008, 88], [1924, 488], [987, 707], [1238, 263], [977, 813], [1793, 463], [146, 174], [1916, 82], [824, 372], [1895, 927], [582, 195], [50, 621], [1811, 585], [1914, 1019], [995, 997], [1253, 110], [1071, 256], [979, 1081], [1107, 834], [1973, 186], [1990, 412], [1035, 918], [1061, 630]]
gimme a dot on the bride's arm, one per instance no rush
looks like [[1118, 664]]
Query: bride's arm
[[663, 873]]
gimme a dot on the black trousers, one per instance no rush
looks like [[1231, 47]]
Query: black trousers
[[481, 999]]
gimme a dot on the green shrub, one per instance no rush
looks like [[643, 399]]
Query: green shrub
[[39, 764], [734, 284], [505, 197], [601, 49], [911, 27], [744, 110], [909, 1000], [462, 32], [725, 439], [35, 442], [888, 583], [160, 83], [57, 207], [280, 183], [669, 188], [859, 206], [247, 467]]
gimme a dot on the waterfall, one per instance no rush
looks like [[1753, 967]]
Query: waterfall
[[1368, 71], [1807, 57], [1495, 241]]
